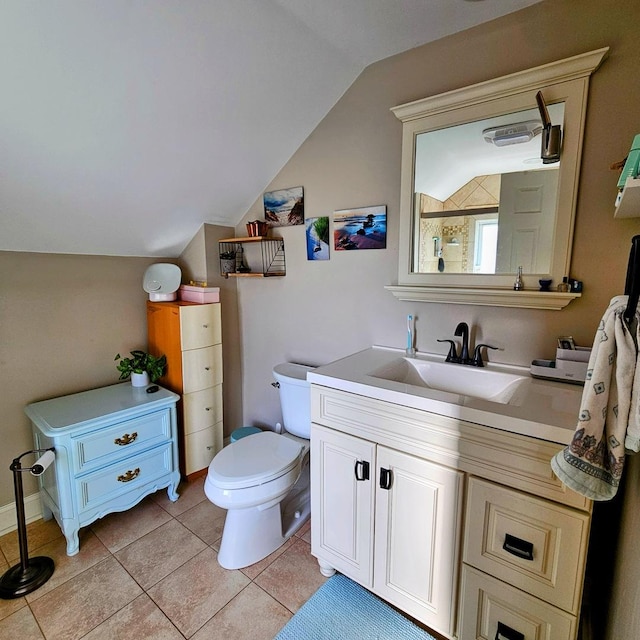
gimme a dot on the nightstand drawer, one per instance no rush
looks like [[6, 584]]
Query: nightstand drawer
[[105, 446], [202, 368], [104, 485], [535, 545], [493, 610], [200, 326], [202, 409]]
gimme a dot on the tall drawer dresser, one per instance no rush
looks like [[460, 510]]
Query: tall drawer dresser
[[113, 446], [190, 335]]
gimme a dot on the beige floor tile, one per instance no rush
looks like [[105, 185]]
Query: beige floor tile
[[20, 625], [251, 615], [160, 552], [117, 530], [139, 620], [82, 603], [194, 593], [92, 551], [293, 577], [191, 494], [254, 570], [206, 520], [305, 531], [39, 533]]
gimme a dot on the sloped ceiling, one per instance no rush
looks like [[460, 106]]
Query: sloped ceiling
[[126, 124]]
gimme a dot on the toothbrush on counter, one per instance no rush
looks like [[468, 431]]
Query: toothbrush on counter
[[410, 332]]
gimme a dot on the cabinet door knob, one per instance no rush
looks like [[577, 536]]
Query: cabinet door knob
[[129, 475], [208, 408], [505, 632], [361, 470], [385, 478], [207, 368], [205, 326], [126, 439]]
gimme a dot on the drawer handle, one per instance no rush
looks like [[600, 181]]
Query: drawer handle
[[385, 478], [361, 470], [207, 368], [126, 439], [130, 475], [205, 326], [507, 633], [208, 408], [518, 547]]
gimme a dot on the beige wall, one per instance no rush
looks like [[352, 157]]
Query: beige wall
[[325, 310], [63, 318]]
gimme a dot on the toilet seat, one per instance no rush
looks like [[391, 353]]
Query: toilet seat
[[254, 460]]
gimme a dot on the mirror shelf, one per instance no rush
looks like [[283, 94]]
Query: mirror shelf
[[524, 299], [564, 84]]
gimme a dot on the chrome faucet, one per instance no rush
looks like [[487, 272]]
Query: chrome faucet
[[462, 330]]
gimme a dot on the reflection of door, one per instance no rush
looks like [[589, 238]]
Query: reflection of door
[[526, 217]]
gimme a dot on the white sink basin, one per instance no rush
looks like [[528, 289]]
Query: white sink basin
[[477, 382]]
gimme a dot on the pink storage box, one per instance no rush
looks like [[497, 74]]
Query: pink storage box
[[199, 294]]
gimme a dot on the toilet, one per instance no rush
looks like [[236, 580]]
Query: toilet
[[262, 479]]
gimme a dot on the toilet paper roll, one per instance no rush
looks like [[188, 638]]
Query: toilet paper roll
[[42, 463]]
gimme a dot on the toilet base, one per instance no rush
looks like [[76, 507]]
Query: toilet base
[[250, 535]]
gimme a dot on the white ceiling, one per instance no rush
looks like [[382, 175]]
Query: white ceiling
[[126, 124]]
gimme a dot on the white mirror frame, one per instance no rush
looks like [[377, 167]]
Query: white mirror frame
[[563, 81]]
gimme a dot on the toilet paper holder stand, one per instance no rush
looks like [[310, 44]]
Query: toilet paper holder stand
[[30, 573]]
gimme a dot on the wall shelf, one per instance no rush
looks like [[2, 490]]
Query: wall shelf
[[267, 260], [629, 205]]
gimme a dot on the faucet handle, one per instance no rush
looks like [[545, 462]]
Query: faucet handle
[[452, 356], [477, 355]]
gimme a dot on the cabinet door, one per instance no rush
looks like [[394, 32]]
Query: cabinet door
[[417, 525], [342, 504]]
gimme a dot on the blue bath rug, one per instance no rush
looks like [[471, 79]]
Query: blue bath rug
[[342, 610]]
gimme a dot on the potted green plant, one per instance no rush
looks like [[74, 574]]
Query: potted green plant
[[142, 367]]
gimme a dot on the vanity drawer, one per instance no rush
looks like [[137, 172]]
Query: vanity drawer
[[200, 326], [492, 610], [535, 545], [202, 368], [127, 476], [202, 408], [201, 446], [104, 446]]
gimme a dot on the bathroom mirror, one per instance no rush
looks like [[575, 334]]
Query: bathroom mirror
[[473, 210]]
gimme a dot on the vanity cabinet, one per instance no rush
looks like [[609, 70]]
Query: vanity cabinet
[[388, 487], [190, 335], [113, 446]]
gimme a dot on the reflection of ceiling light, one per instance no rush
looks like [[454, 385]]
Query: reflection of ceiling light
[[516, 133], [454, 242]]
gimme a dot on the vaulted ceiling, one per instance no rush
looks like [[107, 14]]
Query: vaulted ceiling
[[126, 124]]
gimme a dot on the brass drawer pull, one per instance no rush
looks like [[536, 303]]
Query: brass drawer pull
[[126, 439], [130, 475]]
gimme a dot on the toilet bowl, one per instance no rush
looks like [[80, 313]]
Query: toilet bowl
[[263, 479]]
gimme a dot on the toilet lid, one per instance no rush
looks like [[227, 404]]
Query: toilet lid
[[254, 460]]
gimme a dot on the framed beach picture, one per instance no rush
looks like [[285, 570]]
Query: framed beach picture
[[363, 228], [317, 238], [284, 207]]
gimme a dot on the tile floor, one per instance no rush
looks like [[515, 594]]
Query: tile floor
[[152, 572]]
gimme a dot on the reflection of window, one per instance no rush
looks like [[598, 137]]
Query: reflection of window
[[484, 258]]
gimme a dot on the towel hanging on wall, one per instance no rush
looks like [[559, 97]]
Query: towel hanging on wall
[[609, 418]]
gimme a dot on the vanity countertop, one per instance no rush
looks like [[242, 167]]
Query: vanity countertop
[[546, 409]]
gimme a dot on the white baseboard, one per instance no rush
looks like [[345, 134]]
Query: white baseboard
[[8, 517]]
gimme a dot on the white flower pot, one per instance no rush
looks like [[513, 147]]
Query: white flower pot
[[140, 379]]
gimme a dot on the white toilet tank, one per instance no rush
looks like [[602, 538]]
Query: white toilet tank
[[295, 398]]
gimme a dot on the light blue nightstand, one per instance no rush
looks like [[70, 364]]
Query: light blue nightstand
[[113, 447]]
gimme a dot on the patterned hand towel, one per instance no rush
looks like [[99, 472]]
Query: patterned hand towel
[[609, 416]]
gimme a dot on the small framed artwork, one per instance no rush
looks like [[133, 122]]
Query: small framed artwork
[[317, 238], [284, 207], [363, 228]]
